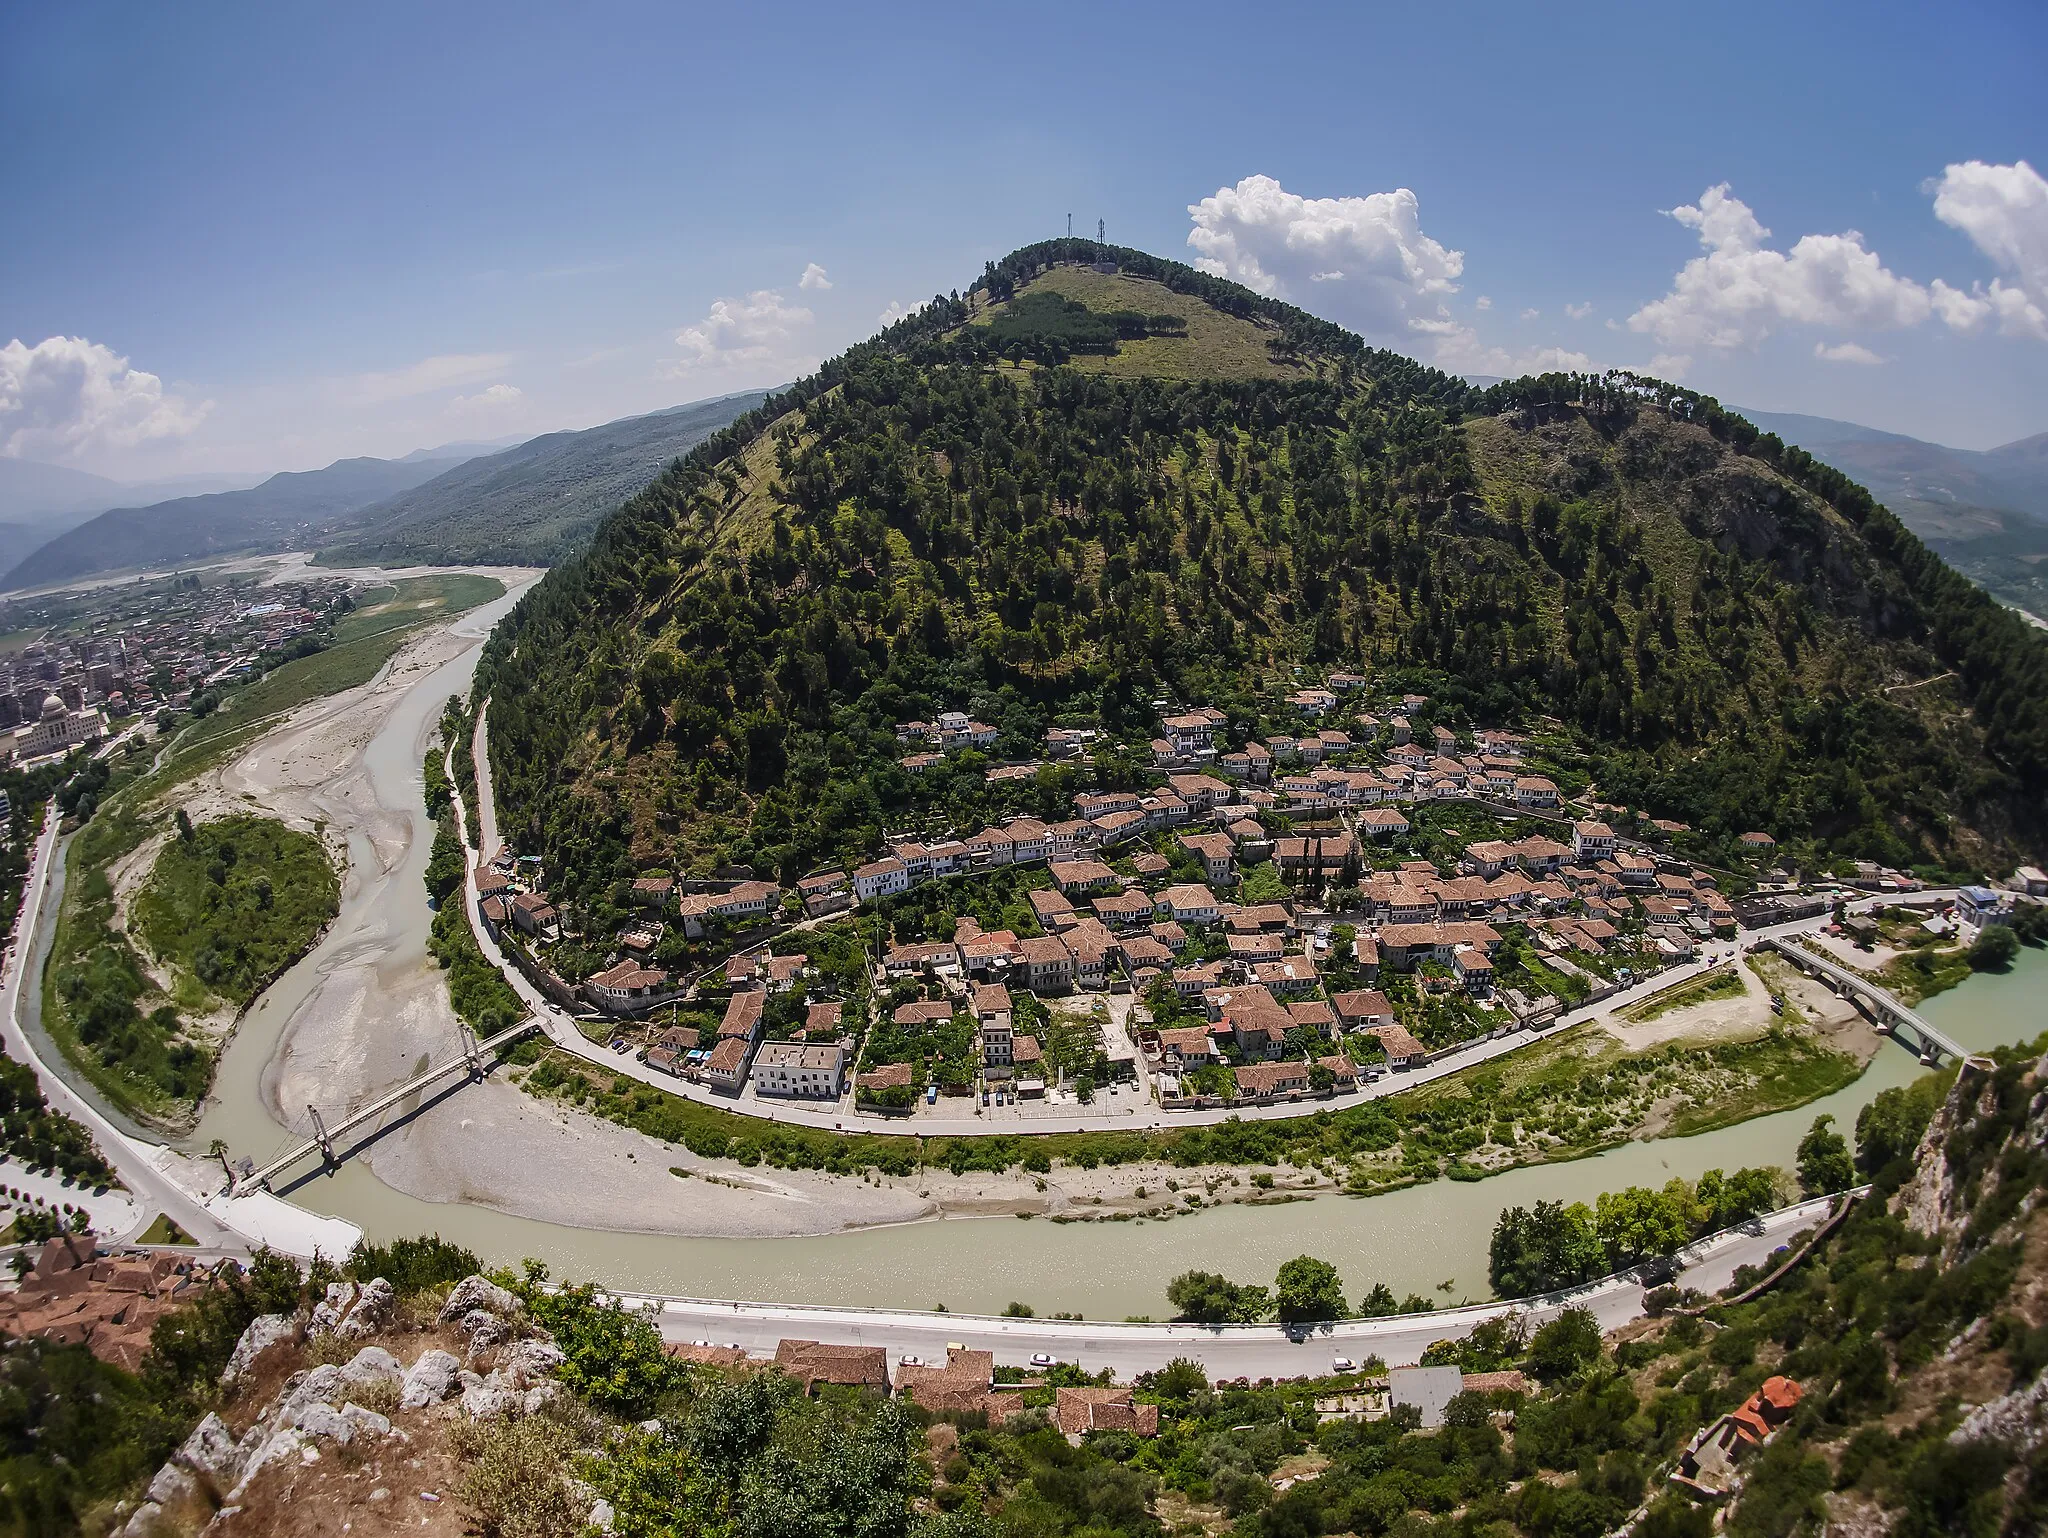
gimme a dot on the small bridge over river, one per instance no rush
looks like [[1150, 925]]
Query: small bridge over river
[[475, 1062], [1890, 1015]]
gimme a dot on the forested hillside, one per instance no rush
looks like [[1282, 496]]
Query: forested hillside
[[996, 506]]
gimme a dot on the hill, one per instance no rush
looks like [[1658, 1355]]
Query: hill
[[284, 509], [1002, 506], [533, 504]]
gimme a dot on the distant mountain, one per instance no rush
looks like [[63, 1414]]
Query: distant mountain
[[295, 508], [1984, 510], [34, 493], [534, 504]]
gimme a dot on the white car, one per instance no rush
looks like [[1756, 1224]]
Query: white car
[[1343, 1364], [908, 1360], [1041, 1359]]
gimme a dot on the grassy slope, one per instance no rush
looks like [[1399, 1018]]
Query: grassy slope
[[154, 1087], [1217, 346]]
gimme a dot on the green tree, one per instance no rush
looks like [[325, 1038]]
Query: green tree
[[1824, 1163], [1638, 1224], [1565, 1345], [1995, 949], [1544, 1248], [1308, 1290], [1891, 1126], [1205, 1297]]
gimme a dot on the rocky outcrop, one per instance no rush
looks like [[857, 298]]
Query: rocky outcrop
[[352, 1312], [474, 1292], [2019, 1419], [265, 1331], [430, 1380], [1933, 1203]]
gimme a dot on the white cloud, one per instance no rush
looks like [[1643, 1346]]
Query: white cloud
[[440, 372], [814, 277], [1372, 266], [1579, 311], [1846, 352], [499, 398], [1741, 290], [1671, 365], [1482, 303], [758, 330], [1459, 350], [1531, 314], [892, 314], [66, 395], [2004, 211]]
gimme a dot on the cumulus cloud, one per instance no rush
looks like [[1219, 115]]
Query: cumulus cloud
[[891, 314], [1367, 259], [1459, 350], [814, 277], [1671, 365], [2004, 211], [1846, 352], [1579, 311], [755, 331], [66, 396], [1482, 303], [440, 372], [498, 398], [1531, 314], [1741, 290]]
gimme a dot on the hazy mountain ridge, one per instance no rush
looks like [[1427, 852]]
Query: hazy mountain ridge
[[537, 502], [289, 506]]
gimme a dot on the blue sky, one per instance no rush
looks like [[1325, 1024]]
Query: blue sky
[[264, 237]]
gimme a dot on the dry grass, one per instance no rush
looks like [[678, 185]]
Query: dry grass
[[1217, 346]]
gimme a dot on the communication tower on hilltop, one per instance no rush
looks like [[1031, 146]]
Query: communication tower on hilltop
[[1098, 232]]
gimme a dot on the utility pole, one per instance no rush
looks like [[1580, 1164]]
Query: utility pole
[[1070, 226]]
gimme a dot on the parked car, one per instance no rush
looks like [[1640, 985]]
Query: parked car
[[1343, 1364], [1041, 1359]]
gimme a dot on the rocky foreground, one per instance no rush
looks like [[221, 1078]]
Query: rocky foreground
[[346, 1416]]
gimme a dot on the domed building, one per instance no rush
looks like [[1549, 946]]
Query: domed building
[[57, 730]]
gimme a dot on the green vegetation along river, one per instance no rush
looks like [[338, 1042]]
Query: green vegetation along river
[[1411, 1239]]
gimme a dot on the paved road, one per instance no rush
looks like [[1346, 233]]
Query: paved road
[[1251, 1351], [132, 1159]]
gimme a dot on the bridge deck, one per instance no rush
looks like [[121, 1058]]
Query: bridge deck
[[383, 1103], [1886, 1002]]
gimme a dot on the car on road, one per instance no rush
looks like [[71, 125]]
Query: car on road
[[907, 1360], [620, 1044], [1343, 1364], [1297, 1333], [1042, 1359]]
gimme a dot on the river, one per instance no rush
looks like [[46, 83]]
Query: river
[[1412, 1240]]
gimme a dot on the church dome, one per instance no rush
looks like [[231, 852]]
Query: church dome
[[53, 708]]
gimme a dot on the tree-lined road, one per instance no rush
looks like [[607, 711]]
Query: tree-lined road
[[1226, 1351]]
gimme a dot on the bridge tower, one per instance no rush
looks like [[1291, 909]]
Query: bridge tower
[[320, 1136], [472, 1050]]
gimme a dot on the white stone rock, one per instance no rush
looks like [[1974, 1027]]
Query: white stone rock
[[371, 1310], [489, 1401], [329, 1313], [322, 1385], [143, 1522], [540, 1395], [366, 1423], [532, 1360], [172, 1486], [601, 1515], [323, 1422], [482, 1329], [431, 1379], [478, 1292], [211, 1453], [265, 1331], [372, 1364]]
